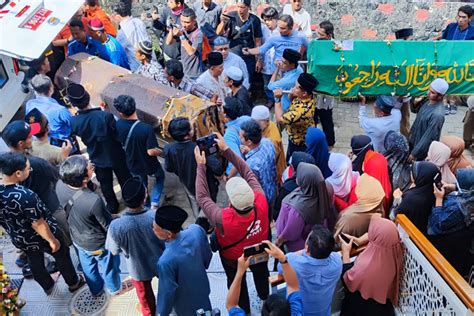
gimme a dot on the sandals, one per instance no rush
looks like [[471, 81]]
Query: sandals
[[127, 285]]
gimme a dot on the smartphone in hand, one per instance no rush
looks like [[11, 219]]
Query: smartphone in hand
[[348, 240], [257, 253]]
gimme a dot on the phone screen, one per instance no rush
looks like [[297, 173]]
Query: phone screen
[[56, 142]]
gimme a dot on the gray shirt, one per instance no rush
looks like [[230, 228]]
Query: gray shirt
[[88, 218], [426, 128], [132, 234], [211, 15], [192, 64]]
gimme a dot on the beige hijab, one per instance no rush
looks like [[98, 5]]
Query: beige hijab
[[355, 219], [456, 145], [439, 154]]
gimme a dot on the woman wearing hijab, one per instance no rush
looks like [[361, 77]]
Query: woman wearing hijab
[[355, 219], [343, 181], [360, 145], [376, 165], [317, 147], [373, 280], [290, 183], [307, 205], [457, 160], [418, 201], [439, 154], [450, 222], [397, 153]]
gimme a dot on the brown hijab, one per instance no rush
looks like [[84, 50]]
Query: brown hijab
[[377, 270], [355, 219], [457, 159]]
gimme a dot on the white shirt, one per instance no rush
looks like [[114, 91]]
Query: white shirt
[[216, 86], [377, 127], [301, 17], [132, 31], [237, 61]]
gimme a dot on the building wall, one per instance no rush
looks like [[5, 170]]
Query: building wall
[[356, 19]]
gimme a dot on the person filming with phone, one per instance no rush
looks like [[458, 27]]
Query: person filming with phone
[[242, 224]]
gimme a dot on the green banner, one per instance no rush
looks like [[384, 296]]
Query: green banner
[[391, 67]]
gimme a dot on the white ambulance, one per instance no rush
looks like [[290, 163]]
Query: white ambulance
[[27, 27]]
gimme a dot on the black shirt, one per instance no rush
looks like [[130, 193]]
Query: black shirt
[[19, 208], [243, 34], [42, 180], [246, 104], [179, 159], [142, 138], [98, 131]]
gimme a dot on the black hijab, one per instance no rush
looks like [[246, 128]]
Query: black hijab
[[397, 153], [418, 201], [360, 145]]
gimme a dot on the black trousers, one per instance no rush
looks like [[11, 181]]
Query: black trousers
[[325, 118], [260, 277], [105, 176], [292, 148], [63, 263]]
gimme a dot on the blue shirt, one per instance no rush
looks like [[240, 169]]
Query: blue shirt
[[59, 118], [317, 279], [132, 234], [280, 43], [453, 33], [286, 83], [294, 299], [261, 161], [113, 52], [232, 136], [184, 285], [90, 47]]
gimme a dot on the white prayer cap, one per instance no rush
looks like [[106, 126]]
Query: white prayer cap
[[440, 85], [260, 112], [234, 73]]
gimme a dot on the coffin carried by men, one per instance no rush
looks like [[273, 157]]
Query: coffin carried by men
[[156, 103]]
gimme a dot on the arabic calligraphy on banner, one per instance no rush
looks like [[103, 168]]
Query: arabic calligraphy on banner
[[398, 68]]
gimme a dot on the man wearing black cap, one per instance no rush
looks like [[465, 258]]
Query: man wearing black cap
[[98, 132], [184, 285], [148, 67], [404, 34], [244, 30], [386, 118], [300, 115], [18, 135], [289, 71], [213, 78], [132, 234]]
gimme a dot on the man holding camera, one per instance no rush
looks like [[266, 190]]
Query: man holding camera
[[242, 224], [244, 30]]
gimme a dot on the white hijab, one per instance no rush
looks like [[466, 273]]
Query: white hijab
[[342, 174]]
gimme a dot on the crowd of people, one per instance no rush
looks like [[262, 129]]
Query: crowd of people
[[314, 204]]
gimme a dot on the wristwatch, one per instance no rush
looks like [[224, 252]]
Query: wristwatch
[[277, 100], [284, 262]]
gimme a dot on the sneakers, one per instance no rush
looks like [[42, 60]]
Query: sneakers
[[447, 111], [453, 109], [79, 284], [22, 260]]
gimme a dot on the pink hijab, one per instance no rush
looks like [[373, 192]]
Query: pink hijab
[[377, 270], [439, 154]]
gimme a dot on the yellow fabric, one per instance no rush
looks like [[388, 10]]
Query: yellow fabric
[[273, 133], [298, 118]]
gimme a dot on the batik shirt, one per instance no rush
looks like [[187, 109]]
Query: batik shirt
[[152, 70], [262, 162], [19, 208], [298, 118]]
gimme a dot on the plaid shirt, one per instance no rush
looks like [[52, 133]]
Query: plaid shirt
[[190, 86], [261, 161]]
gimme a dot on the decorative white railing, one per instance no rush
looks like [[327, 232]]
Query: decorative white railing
[[429, 284]]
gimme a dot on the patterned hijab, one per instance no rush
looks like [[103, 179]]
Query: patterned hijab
[[311, 198], [397, 153], [360, 145]]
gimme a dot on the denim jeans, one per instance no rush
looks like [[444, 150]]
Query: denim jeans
[[110, 265], [155, 194]]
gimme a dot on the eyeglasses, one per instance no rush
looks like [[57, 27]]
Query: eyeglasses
[[31, 169]]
